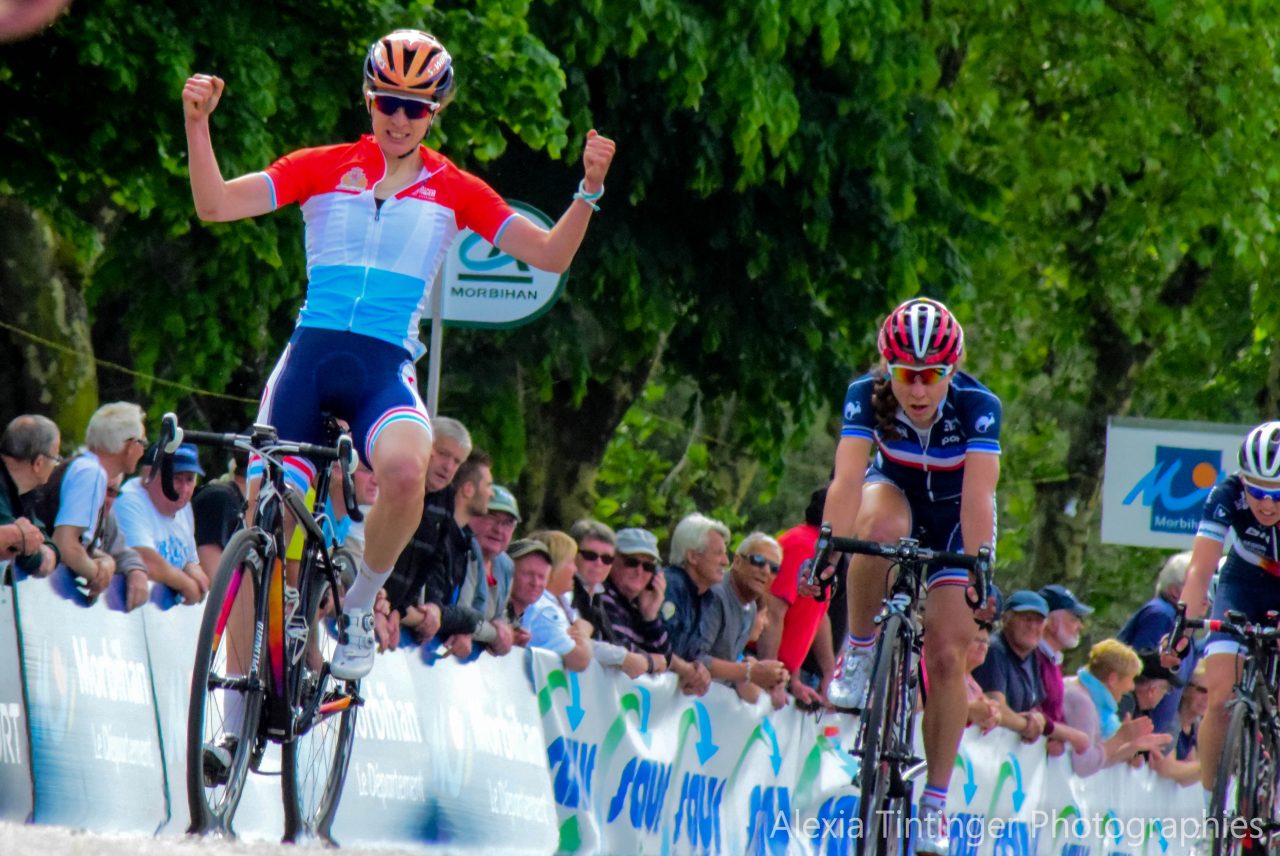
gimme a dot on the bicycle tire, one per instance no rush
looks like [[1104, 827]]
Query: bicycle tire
[[879, 834], [212, 808], [314, 763], [1230, 805]]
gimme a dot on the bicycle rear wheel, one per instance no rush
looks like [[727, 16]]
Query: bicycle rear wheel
[[315, 762], [1231, 805], [227, 688], [881, 818]]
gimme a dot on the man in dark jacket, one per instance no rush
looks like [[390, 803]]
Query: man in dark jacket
[[28, 456]]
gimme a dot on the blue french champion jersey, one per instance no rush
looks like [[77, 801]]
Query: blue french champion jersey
[[928, 462], [1226, 510]]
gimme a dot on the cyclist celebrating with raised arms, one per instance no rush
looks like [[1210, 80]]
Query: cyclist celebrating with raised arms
[[1245, 504], [919, 455], [380, 214]]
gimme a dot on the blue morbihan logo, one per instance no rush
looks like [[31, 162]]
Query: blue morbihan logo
[[1175, 488]]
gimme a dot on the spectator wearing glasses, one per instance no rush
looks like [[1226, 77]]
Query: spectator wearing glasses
[[729, 614], [632, 597], [699, 557], [72, 501], [163, 530], [28, 456], [594, 560]]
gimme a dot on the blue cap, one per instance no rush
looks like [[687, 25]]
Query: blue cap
[[504, 500], [185, 459], [637, 542], [1061, 597], [1026, 601]]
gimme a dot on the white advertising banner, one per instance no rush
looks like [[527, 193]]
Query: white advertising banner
[[638, 768], [1157, 475]]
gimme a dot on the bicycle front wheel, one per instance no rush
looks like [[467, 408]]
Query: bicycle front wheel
[[1231, 804], [227, 687], [315, 762], [881, 817]]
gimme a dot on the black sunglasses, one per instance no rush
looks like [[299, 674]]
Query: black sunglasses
[[760, 561], [593, 556], [632, 562], [413, 108]]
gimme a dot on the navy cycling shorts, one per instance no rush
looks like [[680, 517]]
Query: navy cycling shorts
[[366, 382], [936, 525], [1245, 588]]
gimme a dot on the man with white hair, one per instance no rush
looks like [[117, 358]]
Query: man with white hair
[[1151, 623], [699, 556], [115, 440]]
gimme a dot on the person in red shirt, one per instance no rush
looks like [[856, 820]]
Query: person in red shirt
[[798, 624]]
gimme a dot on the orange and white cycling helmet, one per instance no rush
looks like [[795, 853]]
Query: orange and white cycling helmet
[[409, 63]]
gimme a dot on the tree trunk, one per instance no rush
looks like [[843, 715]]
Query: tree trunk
[[47, 364]]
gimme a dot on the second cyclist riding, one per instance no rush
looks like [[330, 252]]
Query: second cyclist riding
[[261, 671]]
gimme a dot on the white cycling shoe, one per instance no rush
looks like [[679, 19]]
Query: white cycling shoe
[[353, 658], [848, 688], [932, 834]]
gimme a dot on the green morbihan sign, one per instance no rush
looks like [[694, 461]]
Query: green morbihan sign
[[485, 287]]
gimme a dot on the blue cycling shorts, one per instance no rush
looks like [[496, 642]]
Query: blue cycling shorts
[[936, 525], [1244, 588], [366, 382]]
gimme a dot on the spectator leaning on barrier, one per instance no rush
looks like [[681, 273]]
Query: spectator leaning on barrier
[[1062, 631], [128, 563], [539, 584], [162, 530], [633, 594], [402, 590], [1152, 622], [1091, 701], [493, 531], [72, 501], [798, 624], [1150, 687], [1009, 674], [729, 615], [28, 456], [594, 560], [699, 557]]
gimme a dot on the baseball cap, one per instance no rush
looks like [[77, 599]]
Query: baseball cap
[[1153, 669], [526, 547], [504, 500], [637, 542], [1061, 597], [185, 459], [1026, 601]]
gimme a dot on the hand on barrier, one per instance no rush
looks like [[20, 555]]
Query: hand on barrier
[[505, 640], [137, 589]]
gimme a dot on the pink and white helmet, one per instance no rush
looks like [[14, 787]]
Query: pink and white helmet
[[921, 332]]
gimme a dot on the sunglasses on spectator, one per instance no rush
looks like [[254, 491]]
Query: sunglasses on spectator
[[414, 108], [649, 565], [927, 375], [761, 561], [1261, 493], [593, 556]]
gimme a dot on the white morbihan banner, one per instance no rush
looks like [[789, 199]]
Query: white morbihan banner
[[638, 768], [1157, 475]]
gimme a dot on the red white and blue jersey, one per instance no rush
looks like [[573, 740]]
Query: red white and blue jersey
[[370, 269], [1227, 511], [928, 463]]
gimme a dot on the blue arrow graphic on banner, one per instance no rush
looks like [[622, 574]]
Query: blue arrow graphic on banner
[[574, 709], [645, 703], [776, 757], [705, 746], [1018, 794], [970, 786]]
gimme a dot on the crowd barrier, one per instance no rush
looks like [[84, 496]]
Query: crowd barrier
[[510, 754]]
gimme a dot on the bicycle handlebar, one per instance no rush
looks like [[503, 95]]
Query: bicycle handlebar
[[906, 550], [1235, 624], [263, 441]]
